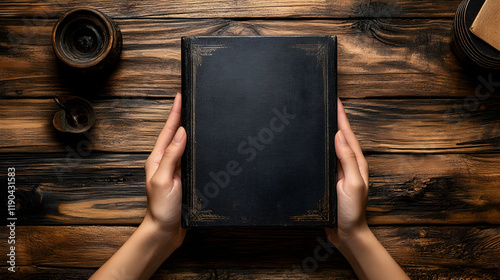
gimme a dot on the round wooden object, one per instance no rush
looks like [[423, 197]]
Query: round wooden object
[[77, 114], [87, 41], [467, 46]]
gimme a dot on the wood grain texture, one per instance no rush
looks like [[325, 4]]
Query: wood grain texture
[[432, 142], [237, 9], [382, 126], [108, 189], [421, 273], [90, 246], [377, 57]]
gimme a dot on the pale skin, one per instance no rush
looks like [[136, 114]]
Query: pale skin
[[160, 233], [352, 236]]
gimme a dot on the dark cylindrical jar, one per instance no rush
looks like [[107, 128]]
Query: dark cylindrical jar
[[87, 41]]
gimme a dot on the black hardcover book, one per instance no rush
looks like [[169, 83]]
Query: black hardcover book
[[260, 115]]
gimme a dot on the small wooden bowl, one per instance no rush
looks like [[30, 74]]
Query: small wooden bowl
[[87, 41], [77, 114]]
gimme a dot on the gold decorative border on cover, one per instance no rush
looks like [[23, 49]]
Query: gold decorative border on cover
[[200, 215], [199, 51], [322, 213]]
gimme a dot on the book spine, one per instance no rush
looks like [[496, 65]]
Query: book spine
[[186, 161], [332, 127]]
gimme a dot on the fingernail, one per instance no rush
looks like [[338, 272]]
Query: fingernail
[[178, 135], [342, 138]]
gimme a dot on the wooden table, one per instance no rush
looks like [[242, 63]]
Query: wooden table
[[432, 140]]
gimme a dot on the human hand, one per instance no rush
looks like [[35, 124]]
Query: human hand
[[160, 232], [352, 236], [163, 179], [352, 185]]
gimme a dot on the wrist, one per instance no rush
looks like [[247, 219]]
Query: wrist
[[349, 241], [172, 235], [162, 240], [368, 257]]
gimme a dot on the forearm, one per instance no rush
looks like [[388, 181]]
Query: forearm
[[369, 259], [139, 257]]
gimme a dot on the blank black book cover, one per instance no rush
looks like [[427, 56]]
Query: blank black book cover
[[260, 117]]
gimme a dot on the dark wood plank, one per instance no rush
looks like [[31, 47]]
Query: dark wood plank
[[388, 125], [232, 9], [90, 246], [434, 189], [426, 126], [377, 58], [421, 273], [63, 189], [125, 124]]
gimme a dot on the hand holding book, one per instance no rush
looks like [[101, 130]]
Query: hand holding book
[[352, 185], [352, 236], [160, 233]]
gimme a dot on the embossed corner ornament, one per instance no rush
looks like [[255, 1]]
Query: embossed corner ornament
[[322, 213], [318, 50], [199, 51], [198, 214]]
